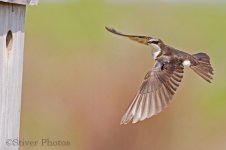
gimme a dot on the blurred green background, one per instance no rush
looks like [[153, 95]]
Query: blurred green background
[[79, 79]]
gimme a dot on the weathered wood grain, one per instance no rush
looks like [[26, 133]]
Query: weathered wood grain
[[23, 2], [12, 19]]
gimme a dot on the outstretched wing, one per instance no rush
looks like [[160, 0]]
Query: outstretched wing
[[155, 93], [140, 39]]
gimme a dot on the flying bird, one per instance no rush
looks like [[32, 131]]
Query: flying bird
[[161, 82]]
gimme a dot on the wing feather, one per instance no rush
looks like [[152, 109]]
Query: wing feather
[[137, 38], [155, 93]]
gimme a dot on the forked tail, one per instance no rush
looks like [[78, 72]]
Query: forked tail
[[203, 68]]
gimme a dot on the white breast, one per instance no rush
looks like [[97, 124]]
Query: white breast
[[156, 51], [155, 54]]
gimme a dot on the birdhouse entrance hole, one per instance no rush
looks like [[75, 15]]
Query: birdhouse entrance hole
[[9, 41]]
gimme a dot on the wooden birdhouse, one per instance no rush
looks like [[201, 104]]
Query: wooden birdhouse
[[12, 30]]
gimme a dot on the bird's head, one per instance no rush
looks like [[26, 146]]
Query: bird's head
[[155, 43]]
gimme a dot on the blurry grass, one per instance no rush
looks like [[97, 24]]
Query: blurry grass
[[75, 28], [73, 65], [82, 23]]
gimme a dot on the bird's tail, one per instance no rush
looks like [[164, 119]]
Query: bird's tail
[[203, 68]]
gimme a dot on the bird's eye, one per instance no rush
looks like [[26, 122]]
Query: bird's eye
[[155, 42]]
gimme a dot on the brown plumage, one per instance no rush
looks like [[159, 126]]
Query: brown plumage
[[140, 39], [161, 83], [154, 95]]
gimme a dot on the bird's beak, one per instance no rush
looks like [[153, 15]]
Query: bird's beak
[[140, 39]]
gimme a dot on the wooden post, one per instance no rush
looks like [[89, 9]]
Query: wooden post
[[12, 28]]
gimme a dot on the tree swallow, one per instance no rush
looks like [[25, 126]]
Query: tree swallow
[[161, 82]]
